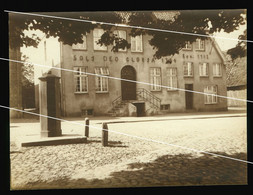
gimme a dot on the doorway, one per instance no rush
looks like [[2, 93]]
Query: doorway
[[128, 89], [189, 96]]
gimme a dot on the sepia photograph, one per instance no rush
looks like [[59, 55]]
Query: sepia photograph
[[120, 99]]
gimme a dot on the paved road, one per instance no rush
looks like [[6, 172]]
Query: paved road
[[130, 162]]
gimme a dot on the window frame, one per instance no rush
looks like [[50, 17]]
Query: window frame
[[186, 48], [211, 94], [118, 34], [215, 69], [153, 79], [79, 46], [82, 76], [170, 76], [98, 79], [198, 45], [201, 67], [141, 44], [192, 70], [96, 46]]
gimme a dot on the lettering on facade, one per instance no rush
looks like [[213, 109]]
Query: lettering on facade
[[113, 59], [81, 58]]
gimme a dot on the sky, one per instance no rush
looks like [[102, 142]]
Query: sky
[[226, 44]]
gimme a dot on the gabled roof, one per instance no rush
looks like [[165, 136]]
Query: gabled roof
[[217, 47]]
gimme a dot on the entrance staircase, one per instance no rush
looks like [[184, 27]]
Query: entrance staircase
[[152, 102]]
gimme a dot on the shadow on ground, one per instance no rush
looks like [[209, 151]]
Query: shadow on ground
[[167, 170]]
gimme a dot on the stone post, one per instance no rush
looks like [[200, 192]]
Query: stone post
[[104, 134], [87, 123], [49, 93]]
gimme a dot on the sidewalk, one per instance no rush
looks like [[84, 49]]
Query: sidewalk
[[234, 112], [169, 116]]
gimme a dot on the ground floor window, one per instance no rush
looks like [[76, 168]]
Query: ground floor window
[[165, 107], [172, 78], [81, 79], [102, 82], [211, 97], [155, 79]]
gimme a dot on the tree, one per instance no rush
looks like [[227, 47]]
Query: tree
[[27, 80], [240, 50], [70, 32], [166, 44]]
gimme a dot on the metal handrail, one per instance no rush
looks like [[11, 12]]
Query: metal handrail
[[145, 95]]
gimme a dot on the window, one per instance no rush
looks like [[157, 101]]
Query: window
[[172, 78], [97, 33], [188, 69], [136, 43], [120, 34], [217, 70], [212, 98], [200, 44], [80, 46], [155, 76], [81, 79], [101, 82], [188, 46], [203, 69], [165, 107]]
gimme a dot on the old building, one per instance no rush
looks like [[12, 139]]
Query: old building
[[198, 67]]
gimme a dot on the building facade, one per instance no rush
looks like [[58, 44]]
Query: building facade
[[197, 67]]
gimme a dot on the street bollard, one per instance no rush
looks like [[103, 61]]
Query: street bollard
[[87, 123], [104, 134]]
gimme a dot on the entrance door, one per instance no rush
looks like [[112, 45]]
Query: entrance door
[[189, 96], [128, 89]]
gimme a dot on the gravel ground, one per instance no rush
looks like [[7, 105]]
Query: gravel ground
[[131, 162]]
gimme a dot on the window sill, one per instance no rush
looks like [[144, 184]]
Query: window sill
[[79, 49], [211, 103], [217, 76], [100, 50], [136, 51], [185, 49], [204, 76], [172, 90], [199, 49], [156, 90], [102, 92], [80, 93], [188, 76]]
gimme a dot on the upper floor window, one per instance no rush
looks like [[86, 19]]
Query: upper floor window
[[80, 46], [97, 33], [188, 46], [81, 79], [120, 34], [203, 69], [155, 79], [136, 44], [188, 69], [217, 70], [200, 44]]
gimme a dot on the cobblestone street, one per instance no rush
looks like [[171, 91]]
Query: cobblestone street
[[131, 162]]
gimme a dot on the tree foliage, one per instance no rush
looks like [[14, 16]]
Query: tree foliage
[[166, 44], [240, 50]]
